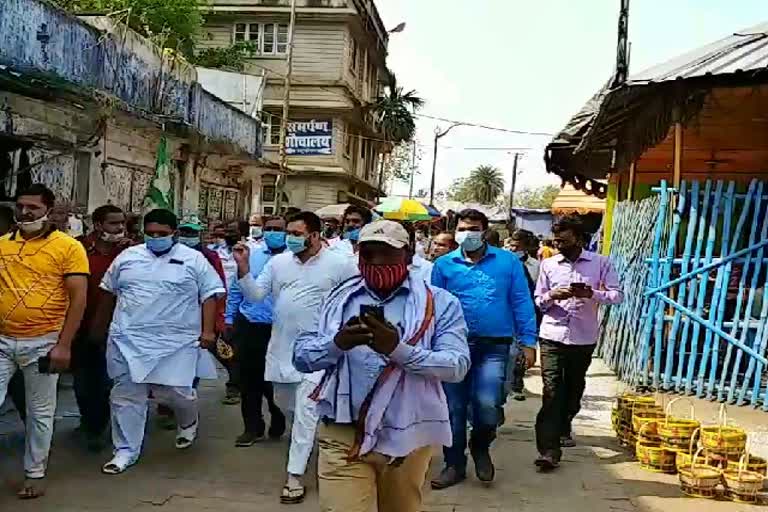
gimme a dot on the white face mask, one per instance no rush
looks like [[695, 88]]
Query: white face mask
[[470, 241], [33, 225], [256, 232], [112, 237]]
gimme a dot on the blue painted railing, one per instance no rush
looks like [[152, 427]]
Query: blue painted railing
[[702, 320]]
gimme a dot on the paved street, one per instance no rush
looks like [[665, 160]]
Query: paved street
[[214, 475]]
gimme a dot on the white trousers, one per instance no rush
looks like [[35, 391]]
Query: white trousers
[[40, 392], [294, 398], [129, 403]]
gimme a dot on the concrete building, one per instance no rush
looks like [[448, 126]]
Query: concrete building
[[339, 60], [84, 104]]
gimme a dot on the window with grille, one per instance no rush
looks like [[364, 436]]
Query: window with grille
[[266, 38]]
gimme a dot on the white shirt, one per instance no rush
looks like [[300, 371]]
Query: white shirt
[[421, 268], [298, 290], [157, 321]]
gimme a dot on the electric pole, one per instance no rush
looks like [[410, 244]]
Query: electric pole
[[283, 154], [413, 169], [438, 135], [512, 190]]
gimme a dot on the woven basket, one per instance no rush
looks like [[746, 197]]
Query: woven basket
[[648, 433], [742, 485], [628, 403], [640, 418], [723, 439], [676, 433], [754, 463], [651, 455], [699, 480]]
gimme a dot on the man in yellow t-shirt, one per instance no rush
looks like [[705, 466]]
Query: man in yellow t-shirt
[[43, 288]]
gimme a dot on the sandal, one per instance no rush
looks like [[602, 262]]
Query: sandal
[[292, 496], [117, 465], [32, 489], [186, 436]]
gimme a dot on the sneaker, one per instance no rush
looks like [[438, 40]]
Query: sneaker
[[547, 463], [567, 442], [186, 436], [232, 397], [247, 439], [484, 468], [519, 396], [448, 477]]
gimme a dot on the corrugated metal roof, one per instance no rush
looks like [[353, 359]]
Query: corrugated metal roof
[[746, 50], [570, 200]]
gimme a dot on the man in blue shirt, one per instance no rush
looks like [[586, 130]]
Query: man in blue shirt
[[491, 285], [252, 326]]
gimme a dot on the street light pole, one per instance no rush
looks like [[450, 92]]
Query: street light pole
[[438, 135], [413, 169], [512, 190]]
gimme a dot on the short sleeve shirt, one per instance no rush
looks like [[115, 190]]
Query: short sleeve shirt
[[33, 299]]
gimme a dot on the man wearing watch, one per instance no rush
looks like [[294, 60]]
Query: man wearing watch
[[164, 298]]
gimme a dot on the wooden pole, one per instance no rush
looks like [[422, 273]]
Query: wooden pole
[[677, 162], [631, 184]]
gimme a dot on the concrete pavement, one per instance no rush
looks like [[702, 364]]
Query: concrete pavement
[[596, 476]]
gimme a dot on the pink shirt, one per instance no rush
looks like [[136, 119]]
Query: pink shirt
[[574, 321]]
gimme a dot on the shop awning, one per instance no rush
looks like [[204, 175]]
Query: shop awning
[[571, 201]]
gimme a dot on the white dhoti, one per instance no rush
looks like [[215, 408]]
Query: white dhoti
[[129, 402]]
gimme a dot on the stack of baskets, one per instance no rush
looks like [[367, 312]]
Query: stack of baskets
[[630, 406]]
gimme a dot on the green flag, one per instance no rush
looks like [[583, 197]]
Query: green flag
[[159, 194]]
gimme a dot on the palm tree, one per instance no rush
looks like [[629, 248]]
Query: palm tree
[[485, 184], [394, 112]]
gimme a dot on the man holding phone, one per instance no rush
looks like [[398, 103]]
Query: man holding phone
[[570, 288]]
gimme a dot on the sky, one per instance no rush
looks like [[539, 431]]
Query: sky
[[529, 65]]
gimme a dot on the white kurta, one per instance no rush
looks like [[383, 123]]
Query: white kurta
[[158, 316], [297, 290]]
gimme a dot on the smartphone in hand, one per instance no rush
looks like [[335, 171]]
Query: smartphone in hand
[[44, 364], [373, 311]]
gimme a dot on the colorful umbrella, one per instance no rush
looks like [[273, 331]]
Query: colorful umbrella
[[406, 209]]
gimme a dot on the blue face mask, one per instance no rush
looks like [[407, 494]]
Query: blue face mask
[[159, 245], [352, 235], [274, 239], [189, 241], [470, 241], [296, 244]]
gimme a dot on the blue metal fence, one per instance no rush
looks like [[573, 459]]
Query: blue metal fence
[[693, 322]]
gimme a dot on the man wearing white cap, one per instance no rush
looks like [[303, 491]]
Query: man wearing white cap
[[386, 340]]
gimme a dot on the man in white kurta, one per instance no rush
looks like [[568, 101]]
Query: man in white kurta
[[161, 289], [297, 279]]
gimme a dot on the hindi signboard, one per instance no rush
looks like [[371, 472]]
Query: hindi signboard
[[312, 137]]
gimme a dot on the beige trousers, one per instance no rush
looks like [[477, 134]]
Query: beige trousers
[[371, 483]]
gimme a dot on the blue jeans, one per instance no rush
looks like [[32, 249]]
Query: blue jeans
[[483, 391]]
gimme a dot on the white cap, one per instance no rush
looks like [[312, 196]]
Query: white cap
[[385, 231]]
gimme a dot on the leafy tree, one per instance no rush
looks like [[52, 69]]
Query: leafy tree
[[394, 112], [484, 185], [539, 197], [399, 163], [232, 57], [173, 24]]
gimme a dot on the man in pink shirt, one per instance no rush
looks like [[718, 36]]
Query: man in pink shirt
[[570, 288]]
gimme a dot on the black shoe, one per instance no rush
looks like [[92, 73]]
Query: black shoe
[[277, 425], [449, 477], [567, 442], [519, 396], [483, 464], [247, 439], [547, 463]]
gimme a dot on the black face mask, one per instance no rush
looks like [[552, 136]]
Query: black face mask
[[231, 240]]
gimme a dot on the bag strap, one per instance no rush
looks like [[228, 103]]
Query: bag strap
[[362, 415]]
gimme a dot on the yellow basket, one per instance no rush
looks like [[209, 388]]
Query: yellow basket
[[723, 439], [699, 480], [652, 456], [676, 433], [754, 463], [640, 418], [628, 403], [742, 485]]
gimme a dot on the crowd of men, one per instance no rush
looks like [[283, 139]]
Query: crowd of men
[[363, 336]]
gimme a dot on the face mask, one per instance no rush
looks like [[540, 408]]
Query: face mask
[[275, 239], [296, 244], [256, 232], [522, 255], [470, 241], [383, 279], [352, 235], [112, 237], [189, 241], [33, 225], [219, 242], [159, 245]]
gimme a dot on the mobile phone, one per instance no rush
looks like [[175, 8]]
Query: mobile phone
[[579, 286], [44, 364], [374, 311]]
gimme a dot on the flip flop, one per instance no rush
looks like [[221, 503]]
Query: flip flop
[[293, 496], [32, 489], [116, 466], [186, 436]]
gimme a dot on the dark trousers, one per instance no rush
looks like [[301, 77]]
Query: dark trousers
[[482, 391], [563, 372], [16, 392], [252, 340], [91, 385]]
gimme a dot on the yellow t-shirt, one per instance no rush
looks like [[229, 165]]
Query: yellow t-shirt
[[33, 299]]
